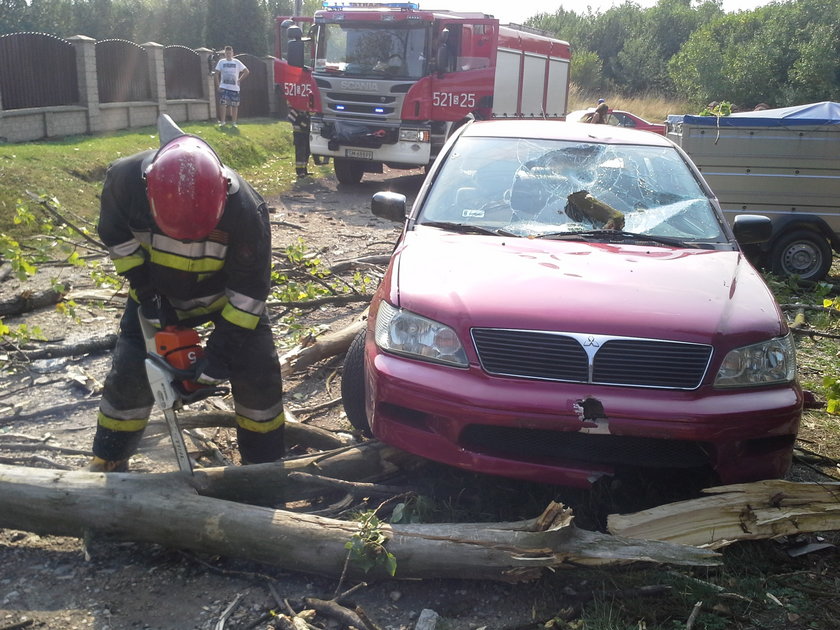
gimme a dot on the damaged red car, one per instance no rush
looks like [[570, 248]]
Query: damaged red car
[[565, 301]]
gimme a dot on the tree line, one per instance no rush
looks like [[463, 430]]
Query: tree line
[[784, 53], [781, 54]]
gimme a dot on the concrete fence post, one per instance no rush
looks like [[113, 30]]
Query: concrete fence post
[[87, 79], [157, 74], [274, 105], [208, 86]]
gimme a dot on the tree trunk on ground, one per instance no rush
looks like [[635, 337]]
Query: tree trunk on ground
[[324, 346], [748, 511], [164, 509]]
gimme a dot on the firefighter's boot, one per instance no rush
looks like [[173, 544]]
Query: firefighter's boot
[[98, 464], [301, 172]]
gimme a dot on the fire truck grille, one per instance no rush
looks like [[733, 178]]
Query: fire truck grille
[[558, 446], [593, 359], [368, 99]]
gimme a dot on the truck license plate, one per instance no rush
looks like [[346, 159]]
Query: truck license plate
[[358, 154]]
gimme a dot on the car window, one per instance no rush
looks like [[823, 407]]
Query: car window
[[534, 186], [624, 120]]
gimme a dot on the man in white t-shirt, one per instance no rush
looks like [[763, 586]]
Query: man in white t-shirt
[[229, 73]]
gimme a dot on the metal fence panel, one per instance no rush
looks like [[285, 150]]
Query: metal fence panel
[[253, 89], [37, 70], [183, 71], [122, 70]]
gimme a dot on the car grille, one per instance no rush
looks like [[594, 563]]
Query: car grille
[[558, 446], [594, 359]]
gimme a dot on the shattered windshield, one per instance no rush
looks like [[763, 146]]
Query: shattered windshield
[[536, 188], [375, 51]]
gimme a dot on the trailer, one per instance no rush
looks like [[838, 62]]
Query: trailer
[[781, 163], [387, 84]]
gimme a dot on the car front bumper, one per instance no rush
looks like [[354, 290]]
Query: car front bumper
[[572, 434]]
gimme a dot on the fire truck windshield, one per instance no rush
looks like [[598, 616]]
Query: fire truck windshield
[[372, 50]]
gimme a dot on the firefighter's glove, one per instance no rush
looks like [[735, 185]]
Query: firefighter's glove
[[210, 373], [157, 310]]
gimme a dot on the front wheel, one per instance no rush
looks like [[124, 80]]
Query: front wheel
[[348, 171], [803, 253], [353, 385]]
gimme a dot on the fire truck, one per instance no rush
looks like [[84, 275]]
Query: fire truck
[[387, 84]]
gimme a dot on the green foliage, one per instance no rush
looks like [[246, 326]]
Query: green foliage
[[306, 280], [724, 108], [587, 72], [366, 548]]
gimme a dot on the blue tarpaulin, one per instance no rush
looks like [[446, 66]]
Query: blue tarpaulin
[[813, 114]]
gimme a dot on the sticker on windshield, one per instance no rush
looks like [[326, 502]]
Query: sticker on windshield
[[472, 214]]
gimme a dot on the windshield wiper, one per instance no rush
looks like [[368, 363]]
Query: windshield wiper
[[465, 228], [617, 235]]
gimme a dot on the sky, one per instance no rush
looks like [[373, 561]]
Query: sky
[[518, 11]]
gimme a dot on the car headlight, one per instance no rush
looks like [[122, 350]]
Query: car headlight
[[403, 332], [766, 363]]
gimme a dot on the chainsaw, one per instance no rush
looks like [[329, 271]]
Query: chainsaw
[[172, 356]]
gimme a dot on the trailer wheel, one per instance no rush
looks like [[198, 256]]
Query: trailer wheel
[[348, 171], [803, 253], [353, 385]]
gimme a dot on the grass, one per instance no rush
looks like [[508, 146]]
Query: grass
[[72, 169], [651, 107]]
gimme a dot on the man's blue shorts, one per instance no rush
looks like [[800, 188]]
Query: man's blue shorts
[[229, 97]]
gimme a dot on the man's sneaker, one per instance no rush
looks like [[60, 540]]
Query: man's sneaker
[[235, 125], [220, 124], [98, 464]]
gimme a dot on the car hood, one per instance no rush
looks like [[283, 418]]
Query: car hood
[[690, 295]]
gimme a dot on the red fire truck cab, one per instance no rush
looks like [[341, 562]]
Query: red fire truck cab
[[388, 83]]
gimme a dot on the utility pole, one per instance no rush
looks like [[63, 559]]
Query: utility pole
[[298, 7]]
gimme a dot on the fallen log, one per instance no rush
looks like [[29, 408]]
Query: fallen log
[[748, 511], [328, 345], [166, 510], [269, 484], [28, 300], [88, 346]]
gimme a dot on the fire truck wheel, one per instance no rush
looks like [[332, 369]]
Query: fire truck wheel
[[348, 171], [804, 253], [353, 385]]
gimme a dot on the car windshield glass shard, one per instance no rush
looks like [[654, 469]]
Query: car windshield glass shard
[[532, 187]]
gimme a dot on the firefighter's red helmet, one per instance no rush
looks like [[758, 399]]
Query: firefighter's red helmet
[[187, 188]]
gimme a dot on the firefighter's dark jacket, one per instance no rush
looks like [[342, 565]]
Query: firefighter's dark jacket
[[225, 277]]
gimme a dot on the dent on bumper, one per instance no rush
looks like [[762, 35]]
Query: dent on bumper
[[541, 431]]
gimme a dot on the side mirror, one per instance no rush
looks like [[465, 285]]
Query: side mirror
[[389, 205], [752, 228]]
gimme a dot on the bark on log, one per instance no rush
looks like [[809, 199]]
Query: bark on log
[[748, 511], [164, 509]]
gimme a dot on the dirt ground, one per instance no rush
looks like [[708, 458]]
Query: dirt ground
[[59, 583]]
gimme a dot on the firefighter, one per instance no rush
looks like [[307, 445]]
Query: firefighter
[[300, 138], [193, 240], [299, 119]]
